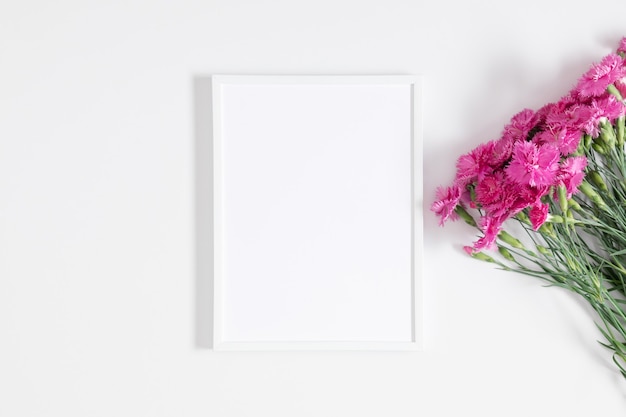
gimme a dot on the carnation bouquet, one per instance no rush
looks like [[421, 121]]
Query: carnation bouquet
[[548, 198]]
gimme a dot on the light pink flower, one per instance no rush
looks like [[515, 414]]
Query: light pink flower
[[533, 165], [520, 125], [571, 173], [588, 118], [560, 115], [474, 165], [501, 152], [561, 137], [538, 214], [595, 81], [609, 107], [570, 113], [589, 115], [447, 200]]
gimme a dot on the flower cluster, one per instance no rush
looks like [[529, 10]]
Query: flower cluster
[[539, 156], [560, 174]]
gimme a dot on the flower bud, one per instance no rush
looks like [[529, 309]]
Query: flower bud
[[588, 190], [572, 264], [555, 218], [523, 217], [505, 253], [573, 204], [607, 134], [472, 191], [483, 257], [599, 148], [465, 215], [562, 192], [507, 238], [613, 90], [587, 140], [596, 179], [543, 250], [547, 228], [620, 127]]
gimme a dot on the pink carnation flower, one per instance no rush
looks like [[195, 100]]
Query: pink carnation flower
[[526, 196], [538, 215], [491, 193], [608, 106], [572, 173], [533, 165], [595, 81], [564, 139], [520, 125], [501, 152], [447, 200], [569, 112], [490, 226], [544, 112], [502, 198], [589, 116], [475, 164]]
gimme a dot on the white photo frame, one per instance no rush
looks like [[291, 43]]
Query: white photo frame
[[317, 212]]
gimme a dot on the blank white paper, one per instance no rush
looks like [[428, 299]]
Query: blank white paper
[[317, 213]]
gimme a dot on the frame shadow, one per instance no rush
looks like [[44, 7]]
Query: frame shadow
[[203, 210]]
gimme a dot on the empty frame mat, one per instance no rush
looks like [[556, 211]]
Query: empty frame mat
[[317, 235]]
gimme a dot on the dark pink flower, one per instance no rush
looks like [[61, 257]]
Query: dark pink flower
[[496, 195], [595, 81], [571, 173], [533, 165], [447, 200], [491, 192], [538, 214], [474, 165], [490, 226], [502, 198], [525, 196]]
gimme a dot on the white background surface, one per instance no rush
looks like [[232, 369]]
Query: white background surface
[[317, 212], [98, 283]]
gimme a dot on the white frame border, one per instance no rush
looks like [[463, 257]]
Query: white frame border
[[417, 219]]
